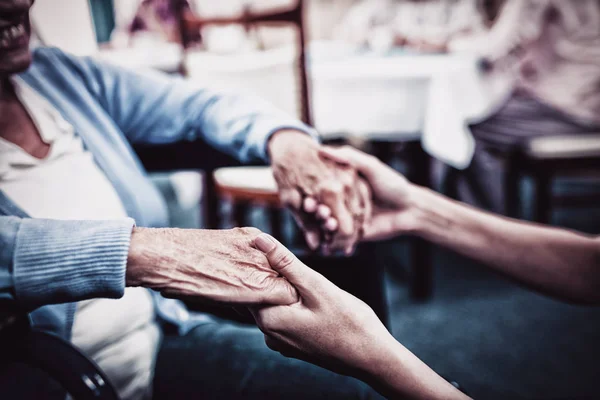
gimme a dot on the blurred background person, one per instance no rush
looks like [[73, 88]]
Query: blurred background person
[[425, 26], [549, 54]]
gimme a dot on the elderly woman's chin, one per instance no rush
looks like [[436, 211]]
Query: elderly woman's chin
[[16, 64], [15, 55]]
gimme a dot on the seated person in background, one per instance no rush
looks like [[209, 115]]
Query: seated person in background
[[332, 328], [421, 25], [75, 207], [548, 54]]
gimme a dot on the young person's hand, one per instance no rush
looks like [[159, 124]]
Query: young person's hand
[[302, 175], [333, 329], [326, 326], [391, 191]]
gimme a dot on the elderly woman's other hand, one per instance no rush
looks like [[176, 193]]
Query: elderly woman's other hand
[[217, 266], [302, 175]]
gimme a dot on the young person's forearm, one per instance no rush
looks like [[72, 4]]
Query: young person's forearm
[[556, 261], [397, 373]]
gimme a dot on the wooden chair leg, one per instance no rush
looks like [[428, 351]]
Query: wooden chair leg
[[421, 264], [512, 180], [542, 212], [239, 213], [276, 222], [211, 201], [450, 180]]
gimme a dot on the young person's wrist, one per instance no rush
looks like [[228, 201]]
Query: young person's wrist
[[397, 373], [381, 364], [408, 218], [376, 358]]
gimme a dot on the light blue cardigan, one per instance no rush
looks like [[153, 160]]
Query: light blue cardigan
[[48, 265]]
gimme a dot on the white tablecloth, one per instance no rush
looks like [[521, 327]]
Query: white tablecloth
[[434, 97]]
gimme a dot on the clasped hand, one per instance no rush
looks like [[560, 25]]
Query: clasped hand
[[217, 266], [330, 202]]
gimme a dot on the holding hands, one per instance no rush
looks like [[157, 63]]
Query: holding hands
[[333, 329], [392, 193], [217, 266], [383, 197], [329, 200], [326, 193], [326, 326]]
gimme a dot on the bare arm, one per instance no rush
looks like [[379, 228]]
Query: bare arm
[[397, 373], [555, 261], [331, 328], [558, 262]]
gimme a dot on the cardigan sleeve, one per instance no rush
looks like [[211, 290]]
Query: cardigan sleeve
[[155, 108], [51, 261]]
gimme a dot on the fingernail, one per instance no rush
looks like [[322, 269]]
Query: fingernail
[[312, 239], [310, 205], [331, 224], [265, 243]]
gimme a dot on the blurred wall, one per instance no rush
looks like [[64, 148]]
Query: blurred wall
[[66, 24]]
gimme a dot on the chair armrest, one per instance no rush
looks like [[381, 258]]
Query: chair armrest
[[564, 146]]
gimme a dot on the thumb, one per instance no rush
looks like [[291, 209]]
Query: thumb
[[364, 163], [347, 155], [283, 261]]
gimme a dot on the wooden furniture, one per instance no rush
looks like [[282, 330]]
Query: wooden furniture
[[240, 198], [542, 159], [232, 184], [418, 165], [190, 25]]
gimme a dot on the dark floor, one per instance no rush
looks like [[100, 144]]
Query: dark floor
[[495, 338]]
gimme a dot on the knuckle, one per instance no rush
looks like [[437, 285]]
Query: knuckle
[[372, 158], [250, 231], [283, 258], [334, 188], [363, 313], [237, 231]]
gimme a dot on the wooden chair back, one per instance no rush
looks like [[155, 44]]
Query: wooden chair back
[[190, 24]]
